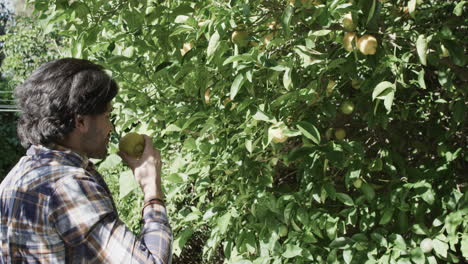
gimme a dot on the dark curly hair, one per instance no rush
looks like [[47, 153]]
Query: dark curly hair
[[55, 93]]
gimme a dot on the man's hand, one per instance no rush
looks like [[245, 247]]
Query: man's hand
[[147, 169]]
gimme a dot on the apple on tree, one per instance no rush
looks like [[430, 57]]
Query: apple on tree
[[340, 133], [207, 96], [348, 40], [367, 44], [347, 107], [240, 38], [426, 245], [276, 133], [186, 48], [348, 23], [330, 86], [356, 84], [268, 38]]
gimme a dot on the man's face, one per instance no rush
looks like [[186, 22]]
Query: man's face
[[96, 139]]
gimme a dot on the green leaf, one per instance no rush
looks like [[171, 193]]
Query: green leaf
[[347, 255], [127, 184], [286, 19], [421, 81], [382, 242], [417, 256], [381, 90], [248, 145], [428, 196], [110, 162], [458, 10], [236, 85], [261, 116], [223, 222], [431, 260], [242, 57], [371, 12], [385, 91], [181, 239], [440, 247], [175, 178], [368, 191], [171, 128], [213, 44], [464, 246], [387, 215], [309, 131], [322, 32], [344, 198], [292, 251], [412, 7], [398, 241], [341, 243], [404, 261], [287, 79], [421, 47]]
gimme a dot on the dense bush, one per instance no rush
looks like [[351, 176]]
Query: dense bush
[[285, 139], [24, 46]]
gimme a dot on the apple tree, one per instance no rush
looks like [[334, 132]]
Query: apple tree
[[300, 131]]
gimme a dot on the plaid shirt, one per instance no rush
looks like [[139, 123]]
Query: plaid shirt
[[56, 208]]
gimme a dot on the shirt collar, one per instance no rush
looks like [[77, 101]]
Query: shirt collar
[[61, 153]]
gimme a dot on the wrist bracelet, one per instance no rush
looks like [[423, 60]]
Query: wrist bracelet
[[152, 201]]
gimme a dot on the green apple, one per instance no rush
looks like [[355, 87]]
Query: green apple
[[357, 183], [347, 107], [133, 144], [240, 38], [426, 245], [340, 134]]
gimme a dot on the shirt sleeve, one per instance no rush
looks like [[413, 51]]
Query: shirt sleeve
[[83, 215]]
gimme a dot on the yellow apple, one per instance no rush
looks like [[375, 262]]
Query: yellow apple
[[356, 84], [340, 134], [348, 40], [276, 133], [272, 25], [348, 23], [445, 51], [330, 86], [226, 101], [207, 96], [367, 44], [240, 38], [186, 48], [133, 144], [268, 38]]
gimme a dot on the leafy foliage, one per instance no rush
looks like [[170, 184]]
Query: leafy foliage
[[24, 46], [398, 176]]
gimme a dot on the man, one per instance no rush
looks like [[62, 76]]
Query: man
[[54, 206]]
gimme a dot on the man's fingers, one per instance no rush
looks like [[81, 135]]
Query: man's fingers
[[125, 157]]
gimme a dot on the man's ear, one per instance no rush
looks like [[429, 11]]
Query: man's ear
[[81, 123]]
